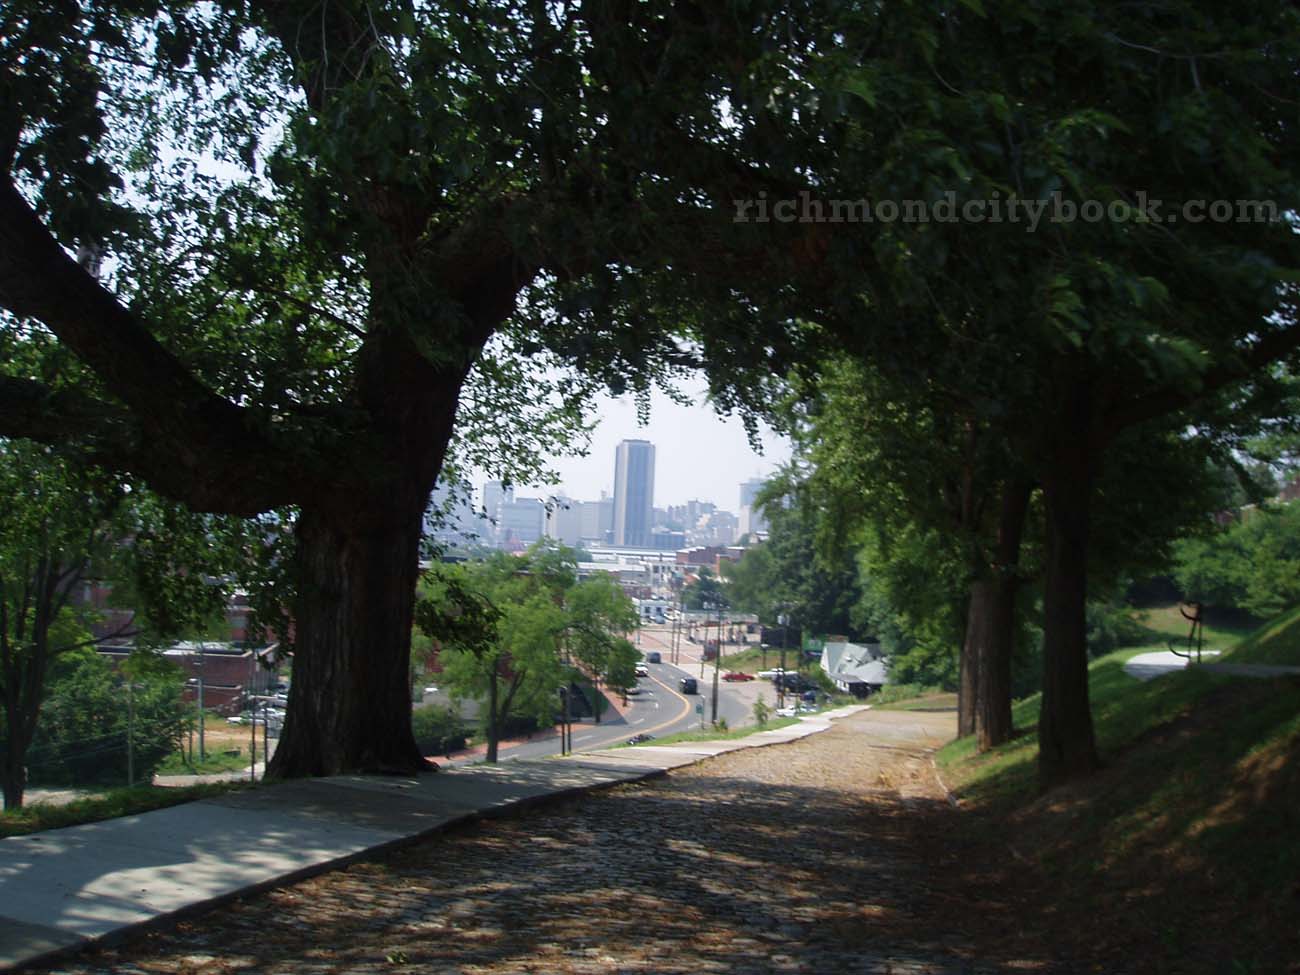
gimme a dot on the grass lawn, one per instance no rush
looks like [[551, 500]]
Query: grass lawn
[[36, 817], [751, 659], [721, 735], [1164, 624], [217, 761], [226, 745], [913, 697]]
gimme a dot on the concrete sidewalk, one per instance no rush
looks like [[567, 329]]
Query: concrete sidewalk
[[1147, 666], [63, 889]]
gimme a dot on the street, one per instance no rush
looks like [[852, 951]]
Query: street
[[658, 708]]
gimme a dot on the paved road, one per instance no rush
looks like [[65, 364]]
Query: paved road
[[800, 857], [659, 708]]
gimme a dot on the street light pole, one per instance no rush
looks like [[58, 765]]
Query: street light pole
[[704, 646], [784, 620], [717, 666]]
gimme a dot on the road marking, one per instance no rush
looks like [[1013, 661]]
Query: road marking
[[686, 707]]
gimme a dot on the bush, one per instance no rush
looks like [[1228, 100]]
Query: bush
[[823, 681], [904, 692], [1110, 626], [81, 737], [438, 730]]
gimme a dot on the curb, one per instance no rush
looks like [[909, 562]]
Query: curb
[[947, 793]]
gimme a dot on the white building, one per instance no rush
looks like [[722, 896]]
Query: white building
[[856, 668]]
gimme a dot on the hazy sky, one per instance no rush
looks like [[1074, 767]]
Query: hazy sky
[[697, 453]]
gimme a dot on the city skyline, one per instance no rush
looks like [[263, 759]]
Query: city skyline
[[699, 455]]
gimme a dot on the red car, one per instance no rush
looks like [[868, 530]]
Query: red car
[[737, 675]]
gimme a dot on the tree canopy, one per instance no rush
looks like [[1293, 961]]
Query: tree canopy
[[515, 631], [313, 222], [318, 226]]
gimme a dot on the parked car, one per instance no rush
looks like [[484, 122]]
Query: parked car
[[688, 685], [795, 682], [772, 674], [737, 675]]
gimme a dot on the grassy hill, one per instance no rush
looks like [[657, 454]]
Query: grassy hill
[[1184, 851], [1276, 642], [1160, 625]]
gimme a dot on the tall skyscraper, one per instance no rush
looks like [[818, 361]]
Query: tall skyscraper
[[749, 491], [634, 488], [495, 495], [751, 519]]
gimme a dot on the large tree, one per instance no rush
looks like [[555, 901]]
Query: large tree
[[1105, 236], [312, 219], [515, 631]]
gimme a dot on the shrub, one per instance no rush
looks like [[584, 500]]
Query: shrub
[[438, 730], [81, 737]]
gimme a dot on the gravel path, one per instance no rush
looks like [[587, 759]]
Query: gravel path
[[804, 857]]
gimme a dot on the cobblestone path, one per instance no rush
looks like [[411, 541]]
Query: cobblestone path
[[803, 857]]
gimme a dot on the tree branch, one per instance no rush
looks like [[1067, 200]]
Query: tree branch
[[217, 476], [204, 436], [1272, 348], [38, 279]]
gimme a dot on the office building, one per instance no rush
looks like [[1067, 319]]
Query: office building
[[751, 518], [522, 522], [634, 480], [564, 522]]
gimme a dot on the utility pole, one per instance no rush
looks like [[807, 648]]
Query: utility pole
[[568, 717], [704, 645], [203, 754], [681, 621], [252, 740], [130, 735], [672, 638], [252, 718], [717, 666], [784, 620]]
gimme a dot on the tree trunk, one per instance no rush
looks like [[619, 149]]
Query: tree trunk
[[23, 681], [15, 771], [350, 703], [493, 727], [996, 630], [1066, 745], [968, 671]]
